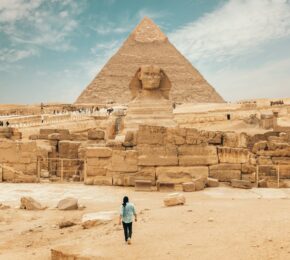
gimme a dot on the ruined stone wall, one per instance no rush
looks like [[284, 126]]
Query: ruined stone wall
[[179, 155]]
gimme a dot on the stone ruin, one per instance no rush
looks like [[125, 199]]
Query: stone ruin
[[147, 143]]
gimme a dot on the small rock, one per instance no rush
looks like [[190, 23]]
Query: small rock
[[29, 203], [174, 199], [66, 223], [210, 220], [68, 204], [188, 186], [93, 219], [211, 182], [242, 184], [2, 206]]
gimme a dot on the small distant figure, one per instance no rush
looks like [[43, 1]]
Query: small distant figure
[[97, 109], [126, 216], [1, 123], [110, 110], [174, 105], [7, 123]]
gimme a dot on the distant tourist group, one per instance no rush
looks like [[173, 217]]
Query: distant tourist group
[[275, 103], [3, 124]]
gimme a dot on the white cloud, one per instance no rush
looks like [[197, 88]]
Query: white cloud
[[269, 80], [41, 23], [236, 28], [12, 55]]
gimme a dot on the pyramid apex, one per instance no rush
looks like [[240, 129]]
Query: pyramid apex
[[148, 31]]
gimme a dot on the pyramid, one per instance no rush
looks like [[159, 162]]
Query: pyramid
[[147, 45]]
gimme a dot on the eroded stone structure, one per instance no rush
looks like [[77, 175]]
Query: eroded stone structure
[[147, 45], [150, 103]]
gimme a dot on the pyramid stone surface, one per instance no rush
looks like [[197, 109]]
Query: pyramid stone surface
[[147, 45]]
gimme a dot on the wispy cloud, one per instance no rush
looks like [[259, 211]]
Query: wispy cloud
[[12, 55], [237, 27], [270, 80], [39, 23]]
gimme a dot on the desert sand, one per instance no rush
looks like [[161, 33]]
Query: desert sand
[[217, 223]]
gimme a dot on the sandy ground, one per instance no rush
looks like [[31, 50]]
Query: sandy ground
[[217, 223]]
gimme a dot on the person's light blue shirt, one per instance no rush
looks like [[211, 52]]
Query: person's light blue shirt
[[127, 212]]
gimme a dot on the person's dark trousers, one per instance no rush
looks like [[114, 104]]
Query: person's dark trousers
[[127, 230]]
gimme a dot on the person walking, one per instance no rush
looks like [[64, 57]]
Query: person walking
[[126, 217]]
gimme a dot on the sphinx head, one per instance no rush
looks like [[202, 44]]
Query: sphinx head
[[150, 76]]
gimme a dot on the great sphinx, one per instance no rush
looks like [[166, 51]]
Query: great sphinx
[[150, 104]]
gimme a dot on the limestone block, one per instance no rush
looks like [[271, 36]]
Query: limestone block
[[96, 171], [248, 168], [249, 177], [176, 136], [264, 160], [211, 182], [29, 203], [101, 152], [143, 185], [151, 135], [190, 155], [262, 183], [231, 139], [43, 133], [193, 136], [58, 137], [96, 134], [130, 139], [242, 184], [174, 199], [99, 162], [284, 171], [124, 161], [199, 183], [97, 218], [68, 204], [268, 170], [179, 175], [68, 149], [188, 186], [129, 179], [281, 160], [233, 155], [165, 186], [154, 155], [225, 172], [103, 180]]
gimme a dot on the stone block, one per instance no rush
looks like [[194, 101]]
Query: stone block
[[176, 136], [103, 180], [154, 155], [242, 184], [179, 175], [124, 161], [281, 160], [188, 186], [165, 186], [68, 149], [174, 199], [264, 160], [97, 218], [143, 185], [154, 135], [99, 162], [68, 204], [130, 139], [96, 134], [143, 173], [29, 203], [225, 172], [249, 177], [268, 170], [96, 171], [248, 168], [100, 152], [199, 183], [211, 182], [284, 171], [233, 155], [190, 155]]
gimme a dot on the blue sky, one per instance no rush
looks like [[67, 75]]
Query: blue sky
[[51, 49]]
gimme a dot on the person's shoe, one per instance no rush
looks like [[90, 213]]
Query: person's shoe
[[129, 241]]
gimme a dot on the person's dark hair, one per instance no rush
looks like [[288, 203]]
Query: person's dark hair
[[125, 201]]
